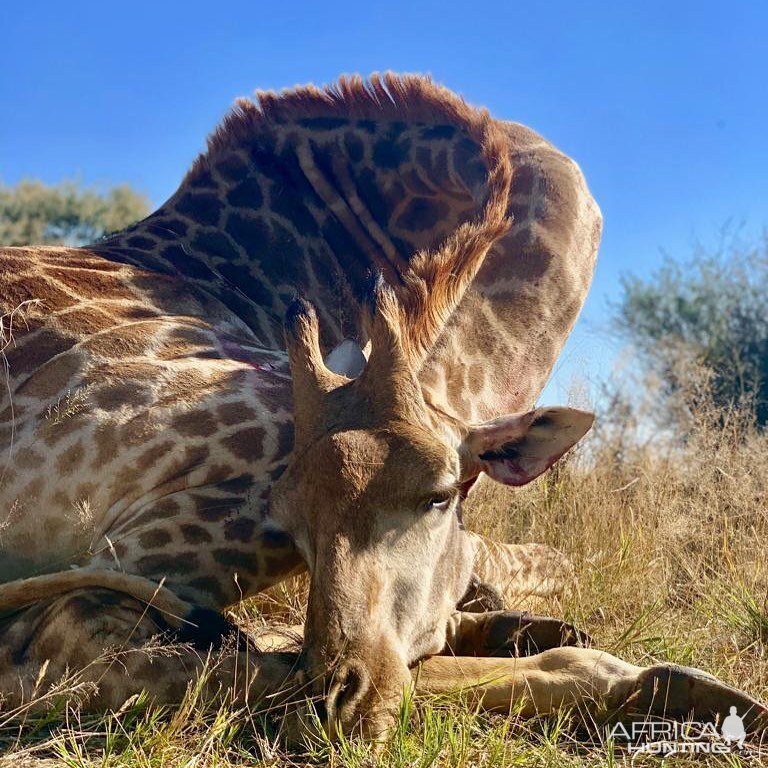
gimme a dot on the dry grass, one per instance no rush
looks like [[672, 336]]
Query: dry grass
[[668, 549]]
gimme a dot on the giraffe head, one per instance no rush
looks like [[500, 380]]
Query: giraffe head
[[372, 498], [372, 493]]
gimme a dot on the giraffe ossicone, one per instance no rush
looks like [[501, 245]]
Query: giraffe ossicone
[[158, 434]]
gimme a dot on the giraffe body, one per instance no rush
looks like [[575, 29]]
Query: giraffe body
[[149, 410], [147, 442], [167, 389]]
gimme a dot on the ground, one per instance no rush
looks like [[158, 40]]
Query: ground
[[667, 545]]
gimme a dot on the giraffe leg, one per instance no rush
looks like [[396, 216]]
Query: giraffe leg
[[520, 569], [489, 634], [101, 647], [591, 681], [482, 627], [508, 633]]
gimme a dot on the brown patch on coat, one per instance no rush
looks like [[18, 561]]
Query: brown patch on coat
[[209, 586], [123, 341], [235, 413], [168, 565], [83, 321], [153, 454], [68, 461], [239, 529], [197, 423], [52, 379], [195, 534], [115, 396], [106, 438], [246, 444], [91, 284], [31, 353], [190, 386], [155, 538]]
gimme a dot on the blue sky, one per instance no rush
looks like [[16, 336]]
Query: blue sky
[[663, 104]]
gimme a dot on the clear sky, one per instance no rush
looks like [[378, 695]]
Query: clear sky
[[663, 104]]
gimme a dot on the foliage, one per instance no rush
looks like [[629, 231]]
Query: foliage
[[710, 314], [33, 213]]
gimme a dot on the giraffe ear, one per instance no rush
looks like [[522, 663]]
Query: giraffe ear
[[517, 448], [346, 359]]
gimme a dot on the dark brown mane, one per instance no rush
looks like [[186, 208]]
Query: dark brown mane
[[388, 96]]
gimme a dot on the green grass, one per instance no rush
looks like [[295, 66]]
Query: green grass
[[433, 734]]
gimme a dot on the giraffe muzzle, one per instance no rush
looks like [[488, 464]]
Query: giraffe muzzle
[[357, 699]]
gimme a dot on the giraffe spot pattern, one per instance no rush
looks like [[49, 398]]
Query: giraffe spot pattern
[[216, 244], [239, 484], [168, 229], [197, 423], [354, 146], [232, 168], [68, 461], [234, 413], [167, 564], [398, 188], [214, 510], [139, 241], [152, 455], [246, 443], [246, 194], [422, 213], [210, 587], [116, 396], [55, 378], [324, 123], [466, 160], [391, 152], [203, 179], [239, 529], [252, 287], [433, 132], [187, 262], [28, 357], [234, 558], [203, 207], [250, 232], [195, 534], [155, 538]]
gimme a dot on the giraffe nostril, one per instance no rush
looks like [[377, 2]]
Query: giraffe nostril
[[349, 684]]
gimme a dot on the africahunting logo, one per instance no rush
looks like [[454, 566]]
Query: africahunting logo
[[664, 737]]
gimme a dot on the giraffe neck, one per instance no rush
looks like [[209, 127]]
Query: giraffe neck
[[315, 206], [312, 190]]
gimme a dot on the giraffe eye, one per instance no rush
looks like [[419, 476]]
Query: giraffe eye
[[439, 502]]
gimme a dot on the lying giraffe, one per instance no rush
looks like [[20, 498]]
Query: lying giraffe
[[165, 457]]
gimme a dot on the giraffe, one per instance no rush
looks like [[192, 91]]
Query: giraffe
[[147, 422]]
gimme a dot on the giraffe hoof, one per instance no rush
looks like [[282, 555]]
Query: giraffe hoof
[[519, 633], [679, 693]]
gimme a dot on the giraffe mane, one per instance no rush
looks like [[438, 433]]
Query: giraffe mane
[[386, 96]]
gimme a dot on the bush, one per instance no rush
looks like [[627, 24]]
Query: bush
[[32, 213], [710, 316]]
